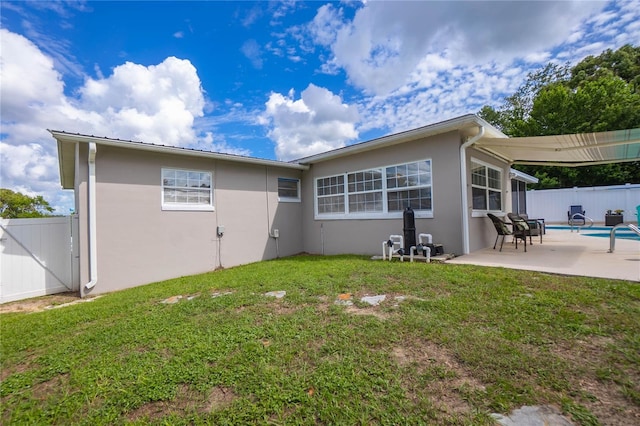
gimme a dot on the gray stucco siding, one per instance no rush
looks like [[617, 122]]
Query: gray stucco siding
[[482, 233], [138, 242], [365, 236]]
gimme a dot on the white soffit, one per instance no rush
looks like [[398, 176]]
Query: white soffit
[[567, 150]]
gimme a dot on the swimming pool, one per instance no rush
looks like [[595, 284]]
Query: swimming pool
[[600, 231]]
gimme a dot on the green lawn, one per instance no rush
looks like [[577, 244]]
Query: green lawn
[[465, 342]]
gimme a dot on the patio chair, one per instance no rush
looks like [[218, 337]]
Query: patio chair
[[502, 228], [535, 226], [573, 210]]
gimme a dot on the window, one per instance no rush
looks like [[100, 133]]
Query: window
[[330, 194], [486, 186], [186, 190], [365, 191], [409, 185], [288, 190], [376, 193]]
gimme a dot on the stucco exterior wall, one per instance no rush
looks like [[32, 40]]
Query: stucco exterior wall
[[482, 233], [139, 243], [366, 236]]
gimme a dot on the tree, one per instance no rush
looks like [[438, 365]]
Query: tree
[[623, 63], [17, 205], [599, 94], [512, 118]]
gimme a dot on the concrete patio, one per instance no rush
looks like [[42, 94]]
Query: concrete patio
[[564, 252]]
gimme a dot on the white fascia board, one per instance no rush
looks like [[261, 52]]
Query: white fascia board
[[523, 176]]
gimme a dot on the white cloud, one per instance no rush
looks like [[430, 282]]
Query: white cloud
[[251, 49], [251, 16], [30, 89], [319, 121], [449, 92], [28, 78], [156, 104], [384, 43], [602, 18], [325, 25], [429, 61], [538, 57]]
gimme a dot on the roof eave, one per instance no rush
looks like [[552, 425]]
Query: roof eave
[[66, 164], [64, 137], [466, 124], [522, 176]]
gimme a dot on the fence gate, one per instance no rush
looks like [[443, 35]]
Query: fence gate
[[37, 257]]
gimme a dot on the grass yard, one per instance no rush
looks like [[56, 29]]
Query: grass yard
[[463, 343]]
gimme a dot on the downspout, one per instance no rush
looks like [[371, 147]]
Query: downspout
[[93, 256], [463, 185]]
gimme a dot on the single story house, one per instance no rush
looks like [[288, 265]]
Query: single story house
[[150, 212]]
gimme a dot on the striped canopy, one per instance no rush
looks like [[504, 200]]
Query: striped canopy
[[567, 150]]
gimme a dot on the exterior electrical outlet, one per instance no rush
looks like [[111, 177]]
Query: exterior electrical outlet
[[220, 230], [276, 233]]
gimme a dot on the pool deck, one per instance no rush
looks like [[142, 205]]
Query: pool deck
[[566, 253]]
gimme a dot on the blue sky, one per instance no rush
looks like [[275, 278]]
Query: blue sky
[[278, 80]]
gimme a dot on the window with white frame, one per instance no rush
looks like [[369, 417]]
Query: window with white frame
[[186, 190], [409, 185], [288, 190], [376, 193], [330, 194], [365, 191], [486, 186]]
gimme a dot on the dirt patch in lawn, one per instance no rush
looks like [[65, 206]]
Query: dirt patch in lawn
[[607, 401], [186, 401], [18, 368], [220, 397], [369, 310], [443, 375], [41, 391], [39, 303]]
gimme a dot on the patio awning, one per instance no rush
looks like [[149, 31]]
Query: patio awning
[[574, 150]]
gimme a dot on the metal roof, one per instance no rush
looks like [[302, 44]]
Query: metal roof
[[466, 125], [66, 153], [559, 150]]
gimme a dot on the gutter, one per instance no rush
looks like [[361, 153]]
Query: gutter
[[93, 255], [463, 186]]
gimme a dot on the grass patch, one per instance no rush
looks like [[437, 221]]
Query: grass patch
[[465, 341]]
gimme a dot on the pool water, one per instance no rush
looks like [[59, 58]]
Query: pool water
[[601, 231]]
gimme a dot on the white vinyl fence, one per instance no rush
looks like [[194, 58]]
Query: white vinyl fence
[[553, 204], [37, 257]]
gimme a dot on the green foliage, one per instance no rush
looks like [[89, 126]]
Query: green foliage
[[17, 205], [623, 63], [513, 116], [599, 94], [466, 341]]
